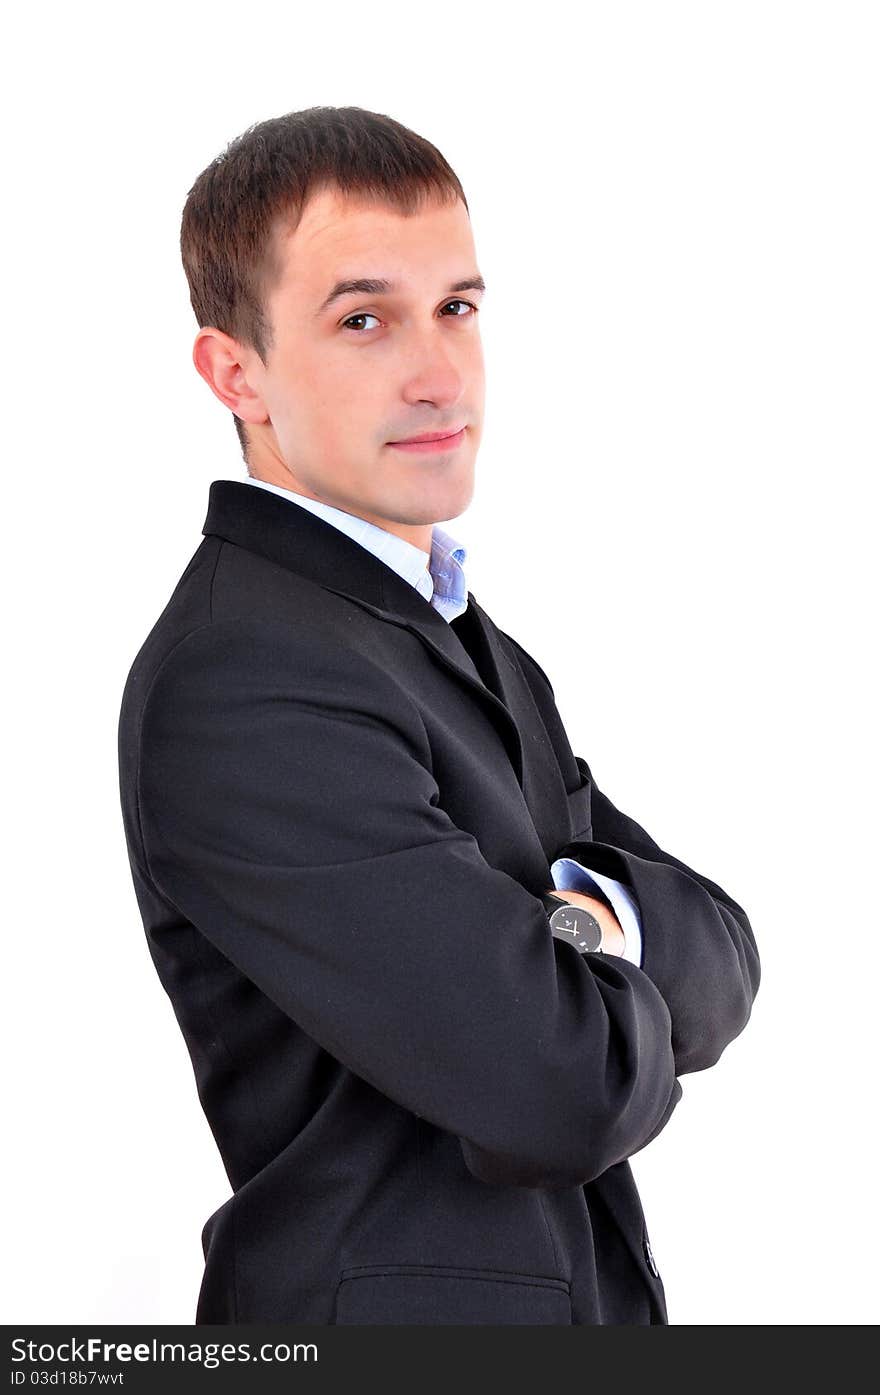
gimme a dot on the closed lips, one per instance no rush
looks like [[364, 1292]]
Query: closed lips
[[428, 437]]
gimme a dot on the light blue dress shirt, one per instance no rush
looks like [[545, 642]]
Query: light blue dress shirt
[[439, 576]]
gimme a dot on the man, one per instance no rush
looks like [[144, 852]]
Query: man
[[349, 800]]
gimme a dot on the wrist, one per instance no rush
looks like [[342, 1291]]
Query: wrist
[[613, 940]]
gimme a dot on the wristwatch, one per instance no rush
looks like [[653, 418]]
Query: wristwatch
[[573, 923]]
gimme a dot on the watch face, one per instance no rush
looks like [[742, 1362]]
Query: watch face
[[577, 925]]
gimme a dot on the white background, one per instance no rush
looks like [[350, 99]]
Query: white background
[[676, 213]]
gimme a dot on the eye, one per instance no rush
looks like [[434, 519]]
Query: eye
[[364, 315], [468, 303]]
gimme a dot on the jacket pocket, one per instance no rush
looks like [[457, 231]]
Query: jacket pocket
[[435, 1294]]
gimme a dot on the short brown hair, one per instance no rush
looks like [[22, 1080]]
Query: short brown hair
[[260, 184]]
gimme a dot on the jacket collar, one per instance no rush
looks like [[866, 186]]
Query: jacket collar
[[307, 544]]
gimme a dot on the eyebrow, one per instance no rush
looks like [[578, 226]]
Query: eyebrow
[[367, 285]]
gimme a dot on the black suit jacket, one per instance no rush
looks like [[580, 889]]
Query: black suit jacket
[[340, 812]]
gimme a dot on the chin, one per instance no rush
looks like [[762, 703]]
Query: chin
[[454, 497]]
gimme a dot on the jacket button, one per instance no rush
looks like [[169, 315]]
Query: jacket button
[[649, 1254]]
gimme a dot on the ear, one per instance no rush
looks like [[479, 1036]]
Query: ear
[[228, 368]]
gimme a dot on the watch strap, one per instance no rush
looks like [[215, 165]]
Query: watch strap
[[551, 903]]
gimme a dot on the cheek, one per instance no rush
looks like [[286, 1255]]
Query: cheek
[[477, 360], [319, 397], [343, 384], [473, 369]]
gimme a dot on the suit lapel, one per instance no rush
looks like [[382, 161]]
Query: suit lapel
[[295, 538], [404, 606]]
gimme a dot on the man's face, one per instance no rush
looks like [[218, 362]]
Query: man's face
[[347, 378]]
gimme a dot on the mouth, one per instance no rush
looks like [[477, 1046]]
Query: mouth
[[430, 442]]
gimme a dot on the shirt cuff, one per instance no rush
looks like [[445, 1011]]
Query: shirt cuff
[[570, 875]]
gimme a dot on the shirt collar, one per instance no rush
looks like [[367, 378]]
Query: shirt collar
[[437, 575]]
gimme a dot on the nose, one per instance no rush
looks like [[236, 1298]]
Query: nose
[[434, 375]]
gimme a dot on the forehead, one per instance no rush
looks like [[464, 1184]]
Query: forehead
[[340, 236]]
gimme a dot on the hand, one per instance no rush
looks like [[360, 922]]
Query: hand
[[613, 938]]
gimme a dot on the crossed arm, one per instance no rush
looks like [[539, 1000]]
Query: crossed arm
[[548, 1068], [698, 946], [288, 811]]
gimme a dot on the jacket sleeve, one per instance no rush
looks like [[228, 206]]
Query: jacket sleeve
[[288, 810], [698, 946]]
